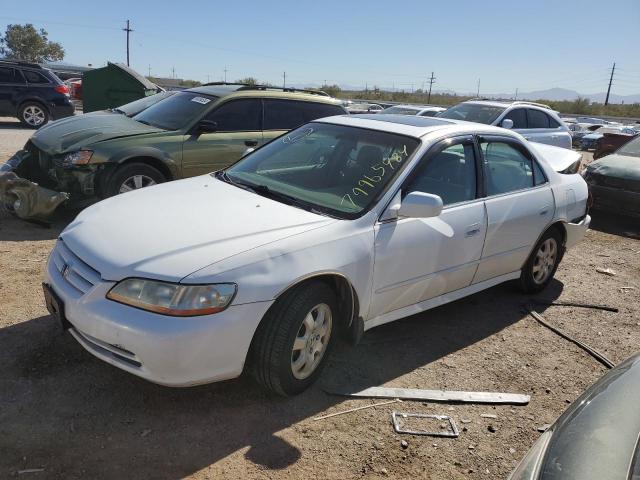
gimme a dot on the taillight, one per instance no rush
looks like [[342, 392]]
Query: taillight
[[62, 89]]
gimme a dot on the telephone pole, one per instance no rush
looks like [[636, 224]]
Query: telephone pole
[[516, 94], [432, 80], [149, 69], [284, 79], [225, 74], [128, 30], [478, 93], [606, 100]]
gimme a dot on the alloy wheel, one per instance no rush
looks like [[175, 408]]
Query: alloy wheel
[[545, 260], [33, 115], [136, 182], [311, 341]]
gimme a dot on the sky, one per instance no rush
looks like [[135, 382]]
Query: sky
[[505, 45]]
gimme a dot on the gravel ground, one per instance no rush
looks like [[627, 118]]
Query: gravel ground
[[63, 411]]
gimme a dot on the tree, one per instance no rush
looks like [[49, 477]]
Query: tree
[[248, 81], [332, 90], [24, 42]]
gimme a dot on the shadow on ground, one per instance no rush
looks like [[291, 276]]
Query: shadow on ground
[[63, 410], [14, 229]]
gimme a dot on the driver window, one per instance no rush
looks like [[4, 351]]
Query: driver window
[[450, 174]]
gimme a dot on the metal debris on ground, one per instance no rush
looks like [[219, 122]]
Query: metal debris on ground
[[575, 304], [30, 470], [351, 410], [606, 271], [400, 419], [594, 353], [488, 415], [439, 395]]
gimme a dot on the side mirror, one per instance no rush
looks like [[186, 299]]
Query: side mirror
[[207, 126], [420, 205], [507, 123]]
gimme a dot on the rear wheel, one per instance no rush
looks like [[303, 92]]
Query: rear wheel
[[543, 262], [132, 176], [33, 115], [294, 339]]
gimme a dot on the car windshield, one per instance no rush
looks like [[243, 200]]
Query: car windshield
[[177, 111], [334, 169], [473, 112], [401, 110], [632, 148], [133, 108]]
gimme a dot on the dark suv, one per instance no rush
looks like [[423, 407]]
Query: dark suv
[[32, 93]]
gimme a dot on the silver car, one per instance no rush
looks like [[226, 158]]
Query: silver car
[[535, 121]]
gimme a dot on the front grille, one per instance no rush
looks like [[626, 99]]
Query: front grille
[[73, 269]]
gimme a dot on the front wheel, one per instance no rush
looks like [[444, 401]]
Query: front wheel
[[543, 262], [294, 339], [132, 176]]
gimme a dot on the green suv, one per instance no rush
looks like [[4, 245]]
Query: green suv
[[192, 132]]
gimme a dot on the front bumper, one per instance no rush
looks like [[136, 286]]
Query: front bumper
[[576, 231], [166, 350]]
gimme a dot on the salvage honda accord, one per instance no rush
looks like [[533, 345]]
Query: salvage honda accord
[[341, 225]]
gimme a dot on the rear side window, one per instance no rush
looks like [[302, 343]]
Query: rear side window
[[507, 169], [10, 75], [538, 119], [518, 116], [242, 115], [313, 111], [538, 175], [35, 77], [284, 114], [552, 122]]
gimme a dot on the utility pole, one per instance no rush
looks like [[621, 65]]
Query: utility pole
[[478, 93], [432, 80], [225, 74], [606, 100], [284, 79], [149, 70], [173, 72], [208, 78], [516, 94], [128, 30]]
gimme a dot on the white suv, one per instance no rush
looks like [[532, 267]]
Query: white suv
[[535, 121]]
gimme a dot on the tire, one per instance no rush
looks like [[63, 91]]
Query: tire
[[132, 176], [33, 115], [276, 362], [543, 262]]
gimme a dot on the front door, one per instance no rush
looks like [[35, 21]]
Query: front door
[[239, 127], [420, 258], [519, 203]]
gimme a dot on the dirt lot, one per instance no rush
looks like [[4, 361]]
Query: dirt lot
[[76, 417]]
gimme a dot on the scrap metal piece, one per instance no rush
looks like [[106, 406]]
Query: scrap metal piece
[[439, 395], [594, 353], [397, 417], [351, 410], [27, 199], [580, 305]]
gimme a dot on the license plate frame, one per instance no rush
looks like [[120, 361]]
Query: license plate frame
[[55, 306]]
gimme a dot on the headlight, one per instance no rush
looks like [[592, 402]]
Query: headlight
[[81, 157], [172, 298], [529, 466]]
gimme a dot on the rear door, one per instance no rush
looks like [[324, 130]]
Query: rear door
[[519, 205], [542, 128], [239, 128], [420, 258], [281, 115], [12, 86]]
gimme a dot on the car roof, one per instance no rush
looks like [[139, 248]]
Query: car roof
[[242, 91], [410, 125]]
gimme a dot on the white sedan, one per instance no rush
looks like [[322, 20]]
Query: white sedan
[[342, 225]]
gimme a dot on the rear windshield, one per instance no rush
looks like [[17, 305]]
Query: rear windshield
[[473, 112], [401, 110], [177, 111]]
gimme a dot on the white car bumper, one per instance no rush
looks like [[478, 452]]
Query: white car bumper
[[165, 350], [576, 231]]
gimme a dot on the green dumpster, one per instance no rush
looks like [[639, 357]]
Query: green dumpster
[[112, 86]]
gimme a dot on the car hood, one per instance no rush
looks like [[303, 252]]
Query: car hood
[[557, 157], [80, 131], [169, 231], [618, 166]]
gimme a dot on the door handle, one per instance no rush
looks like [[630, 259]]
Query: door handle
[[472, 230], [251, 143]]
